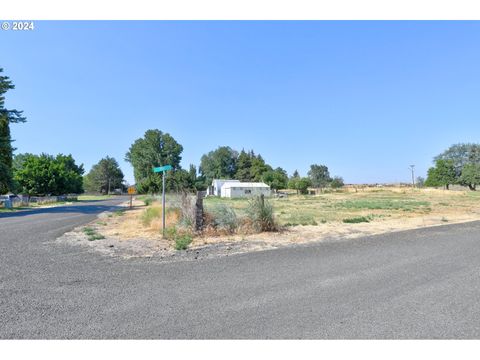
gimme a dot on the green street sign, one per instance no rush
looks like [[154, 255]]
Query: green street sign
[[162, 168]]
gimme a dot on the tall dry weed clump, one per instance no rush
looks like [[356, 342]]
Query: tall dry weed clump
[[223, 220], [260, 213]]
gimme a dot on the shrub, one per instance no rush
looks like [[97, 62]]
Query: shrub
[[96, 237], [148, 200], [225, 219], [260, 213], [171, 233], [88, 231], [149, 214], [182, 242], [356, 220], [92, 234]]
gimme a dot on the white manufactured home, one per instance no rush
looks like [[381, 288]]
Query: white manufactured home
[[216, 188], [245, 189]]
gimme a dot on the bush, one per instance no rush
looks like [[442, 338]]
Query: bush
[[171, 233], [92, 234], [148, 200], [96, 237], [260, 213], [182, 242], [356, 220], [225, 219]]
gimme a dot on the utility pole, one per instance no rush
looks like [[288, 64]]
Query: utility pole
[[412, 168]]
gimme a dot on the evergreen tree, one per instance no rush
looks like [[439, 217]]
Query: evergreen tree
[[7, 117], [244, 167], [104, 176]]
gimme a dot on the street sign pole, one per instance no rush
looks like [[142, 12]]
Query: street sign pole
[[163, 170], [163, 203], [131, 191]]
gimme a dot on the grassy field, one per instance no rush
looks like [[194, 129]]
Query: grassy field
[[343, 214], [363, 206]]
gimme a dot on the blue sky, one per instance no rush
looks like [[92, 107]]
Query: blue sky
[[365, 98]]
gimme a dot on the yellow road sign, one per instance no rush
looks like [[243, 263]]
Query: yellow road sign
[[131, 190]]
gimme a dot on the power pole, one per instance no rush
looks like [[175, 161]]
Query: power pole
[[412, 168]]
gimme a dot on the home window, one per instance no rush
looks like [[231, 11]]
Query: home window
[[248, 191]]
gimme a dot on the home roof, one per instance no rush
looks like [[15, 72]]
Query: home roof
[[225, 180], [246, 185]]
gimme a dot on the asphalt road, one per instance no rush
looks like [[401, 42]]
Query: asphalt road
[[414, 284]]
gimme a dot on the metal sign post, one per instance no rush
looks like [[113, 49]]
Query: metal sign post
[[131, 191], [163, 170]]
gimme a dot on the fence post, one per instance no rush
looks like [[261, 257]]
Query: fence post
[[199, 211]]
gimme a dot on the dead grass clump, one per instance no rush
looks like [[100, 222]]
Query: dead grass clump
[[261, 214], [152, 217]]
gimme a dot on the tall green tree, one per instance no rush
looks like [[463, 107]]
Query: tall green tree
[[443, 174], [300, 184], [277, 179], [104, 176], [303, 184], [470, 175], [48, 175], [460, 155], [319, 176], [154, 149], [259, 167], [7, 117], [337, 182], [219, 164], [244, 167]]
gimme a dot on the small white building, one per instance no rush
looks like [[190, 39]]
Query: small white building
[[216, 188], [244, 189]]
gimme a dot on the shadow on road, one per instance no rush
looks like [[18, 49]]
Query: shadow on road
[[80, 209]]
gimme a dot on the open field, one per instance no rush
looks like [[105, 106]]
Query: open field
[[369, 205], [301, 218]]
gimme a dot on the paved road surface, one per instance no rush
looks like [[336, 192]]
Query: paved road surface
[[415, 284]]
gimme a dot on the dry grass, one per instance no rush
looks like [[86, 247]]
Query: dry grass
[[372, 203], [312, 218]]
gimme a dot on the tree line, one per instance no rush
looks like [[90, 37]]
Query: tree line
[[157, 148], [47, 174]]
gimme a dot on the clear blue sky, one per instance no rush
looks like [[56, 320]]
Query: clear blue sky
[[365, 98]]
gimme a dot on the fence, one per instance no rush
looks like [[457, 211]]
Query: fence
[[25, 200]]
